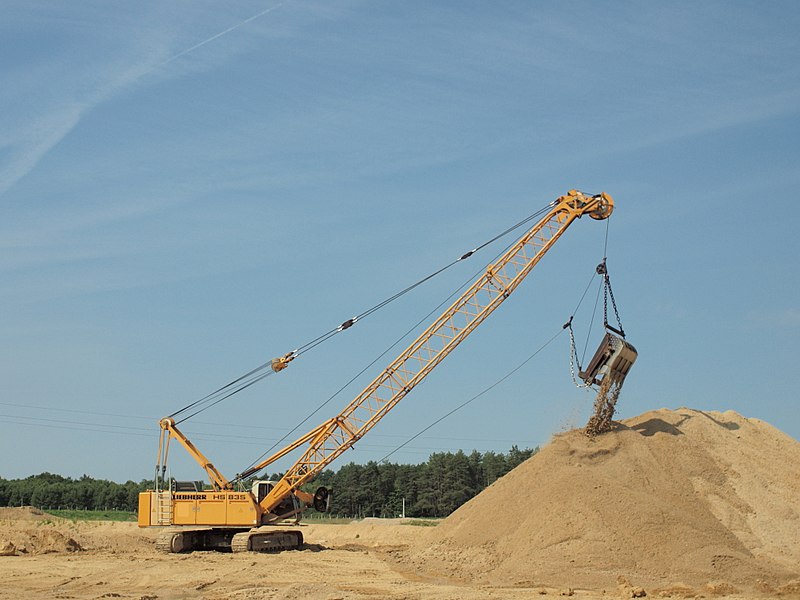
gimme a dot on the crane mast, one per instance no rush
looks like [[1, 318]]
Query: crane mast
[[329, 440]]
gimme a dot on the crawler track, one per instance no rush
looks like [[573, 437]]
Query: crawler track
[[266, 540]]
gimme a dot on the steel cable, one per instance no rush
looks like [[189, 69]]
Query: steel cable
[[218, 395]]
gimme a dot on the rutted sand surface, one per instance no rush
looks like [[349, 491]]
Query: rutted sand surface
[[119, 561], [671, 504]]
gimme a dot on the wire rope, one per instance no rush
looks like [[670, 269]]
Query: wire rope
[[248, 471], [242, 382], [214, 394], [591, 323], [475, 397], [518, 367], [350, 322]]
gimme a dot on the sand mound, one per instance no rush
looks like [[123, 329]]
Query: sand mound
[[28, 530], [22, 513], [39, 540], [668, 500]]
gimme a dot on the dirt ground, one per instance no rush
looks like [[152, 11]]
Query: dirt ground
[[671, 504], [88, 560], [355, 561]]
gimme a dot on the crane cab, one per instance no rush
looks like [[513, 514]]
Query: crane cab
[[261, 488], [289, 507]]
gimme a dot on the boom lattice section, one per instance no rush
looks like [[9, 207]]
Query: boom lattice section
[[332, 438]]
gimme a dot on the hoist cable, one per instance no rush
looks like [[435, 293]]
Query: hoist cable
[[608, 291], [605, 286], [475, 397]]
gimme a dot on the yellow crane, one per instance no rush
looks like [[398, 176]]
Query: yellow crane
[[225, 518]]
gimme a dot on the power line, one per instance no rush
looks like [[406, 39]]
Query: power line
[[70, 425]]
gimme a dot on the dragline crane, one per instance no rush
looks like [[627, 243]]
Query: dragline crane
[[226, 518]]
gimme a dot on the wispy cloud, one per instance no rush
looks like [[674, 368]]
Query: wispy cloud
[[31, 141], [29, 147], [218, 35], [773, 319]]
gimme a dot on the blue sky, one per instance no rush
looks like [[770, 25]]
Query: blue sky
[[188, 189]]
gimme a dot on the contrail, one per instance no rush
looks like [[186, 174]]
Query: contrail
[[48, 132], [219, 35]]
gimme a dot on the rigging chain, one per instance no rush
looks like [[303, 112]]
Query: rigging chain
[[602, 270]]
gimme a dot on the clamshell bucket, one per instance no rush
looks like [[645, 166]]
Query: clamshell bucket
[[613, 359]]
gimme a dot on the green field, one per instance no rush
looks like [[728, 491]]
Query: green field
[[422, 522], [93, 515]]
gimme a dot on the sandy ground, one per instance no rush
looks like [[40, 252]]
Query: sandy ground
[[671, 504], [368, 559], [118, 560]]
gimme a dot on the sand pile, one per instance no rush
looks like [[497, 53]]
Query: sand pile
[[40, 540], [22, 513], [29, 531], [670, 500]]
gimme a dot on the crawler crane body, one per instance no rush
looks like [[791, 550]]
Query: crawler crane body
[[225, 518]]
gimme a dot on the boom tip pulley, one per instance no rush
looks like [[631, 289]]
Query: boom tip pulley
[[601, 205]]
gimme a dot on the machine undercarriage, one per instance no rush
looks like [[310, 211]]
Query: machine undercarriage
[[227, 539]]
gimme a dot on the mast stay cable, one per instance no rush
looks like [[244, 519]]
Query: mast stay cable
[[278, 364], [249, 470]]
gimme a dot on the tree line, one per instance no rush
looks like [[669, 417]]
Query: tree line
[[434, 488], [50, 491]]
